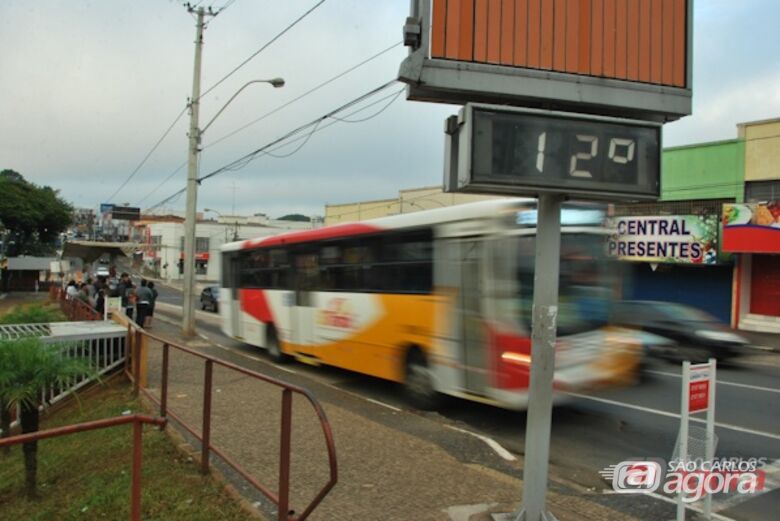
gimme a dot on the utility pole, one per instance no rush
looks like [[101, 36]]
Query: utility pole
[[188, 317]]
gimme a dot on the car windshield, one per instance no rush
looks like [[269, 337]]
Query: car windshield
[[684, 313]]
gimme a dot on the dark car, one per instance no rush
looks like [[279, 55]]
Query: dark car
[[697, 335], [209, 298]]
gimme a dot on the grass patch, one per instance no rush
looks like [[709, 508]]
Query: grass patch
[[33, 313], [87, 475]]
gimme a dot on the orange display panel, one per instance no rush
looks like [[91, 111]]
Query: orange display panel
[[636, 40]]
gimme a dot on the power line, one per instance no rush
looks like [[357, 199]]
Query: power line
[[146, 157], [275, 110], [313, 89], [261, 49], [248, 157], [280, 142]]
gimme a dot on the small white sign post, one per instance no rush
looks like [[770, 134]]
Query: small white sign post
[[698, 395], [112, 305]]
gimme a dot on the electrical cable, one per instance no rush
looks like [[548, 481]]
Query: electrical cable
[[280, 142], [248, 157], [261, 49], [275, 110], [146, 157], [313, 89]]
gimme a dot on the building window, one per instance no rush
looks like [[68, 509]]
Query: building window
[[762, 191]]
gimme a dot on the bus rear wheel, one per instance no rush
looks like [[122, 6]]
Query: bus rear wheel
[[418, 384]]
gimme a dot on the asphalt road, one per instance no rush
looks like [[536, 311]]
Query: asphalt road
[[595, 430]]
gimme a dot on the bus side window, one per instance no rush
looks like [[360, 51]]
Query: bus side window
[[306, 277]]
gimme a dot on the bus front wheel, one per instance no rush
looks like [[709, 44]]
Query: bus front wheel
[[418, 384]]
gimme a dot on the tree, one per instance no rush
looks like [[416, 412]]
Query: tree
[[28, 367], [34, 215], [297, 217]]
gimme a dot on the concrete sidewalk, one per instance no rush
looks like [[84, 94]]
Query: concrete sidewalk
[[385, 473]]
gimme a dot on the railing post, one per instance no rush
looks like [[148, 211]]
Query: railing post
[[128, 343], [284, 455], [135, 492], [164, 389], [206, 441], [136, 362]]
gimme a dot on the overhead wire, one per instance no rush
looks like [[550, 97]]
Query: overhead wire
[[148, 154], [316, 121], [326, 82], [310, 91], [281, 142], [261, 49]]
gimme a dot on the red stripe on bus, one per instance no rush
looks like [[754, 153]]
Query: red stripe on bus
[[255, 304], [317, 234]]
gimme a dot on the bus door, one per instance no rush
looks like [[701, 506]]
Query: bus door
[[459, 267], [470, 309], [234, 306], [303, 311]]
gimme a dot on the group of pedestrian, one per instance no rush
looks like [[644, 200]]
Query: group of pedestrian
[[90, 292], [137, 302]]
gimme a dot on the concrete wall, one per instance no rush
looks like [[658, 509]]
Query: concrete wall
[[762, 149], [408, 201], [704, 171]]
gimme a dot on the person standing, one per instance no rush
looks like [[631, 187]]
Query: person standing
[[125, 290], [143, 302], [149, 317]]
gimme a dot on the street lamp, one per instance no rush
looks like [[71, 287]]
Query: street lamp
[[188, 316], [235, 221]]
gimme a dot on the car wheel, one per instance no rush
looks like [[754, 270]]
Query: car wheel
[[275, 350], [203, 306], [216, 307], [418, 384]]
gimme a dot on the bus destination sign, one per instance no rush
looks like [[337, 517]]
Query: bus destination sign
[[496, 149]]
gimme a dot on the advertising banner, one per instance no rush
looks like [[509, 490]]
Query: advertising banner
[[677, 239], [752, 227]]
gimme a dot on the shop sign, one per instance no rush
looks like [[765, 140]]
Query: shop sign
[[752, 227], [677, 239]]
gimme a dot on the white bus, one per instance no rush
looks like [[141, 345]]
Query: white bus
[[438, 300]]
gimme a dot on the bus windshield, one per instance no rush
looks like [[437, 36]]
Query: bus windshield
[[585, 285]]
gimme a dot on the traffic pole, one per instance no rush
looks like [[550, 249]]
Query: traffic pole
[[188, 314], [710, 442], [544, 329]]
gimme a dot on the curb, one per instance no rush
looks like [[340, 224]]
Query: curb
[[764, 349], [212, 318]]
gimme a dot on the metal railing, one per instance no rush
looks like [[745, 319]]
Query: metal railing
[[282, 499], [74, 308], [136, 419], [101, 346]]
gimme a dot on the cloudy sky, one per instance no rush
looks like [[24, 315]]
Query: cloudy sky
[[89, 87]]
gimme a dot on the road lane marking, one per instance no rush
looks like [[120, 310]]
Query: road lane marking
[[245, 355], [721, 382], [493, 444], [771, 482], [383, 404], [673, 415], [672, 501]]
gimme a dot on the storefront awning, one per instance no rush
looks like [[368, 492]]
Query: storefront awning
[[751, 227]]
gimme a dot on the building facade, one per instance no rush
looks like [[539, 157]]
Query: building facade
[[161, 253], [752, 230], [408, 201], [677, 255]]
